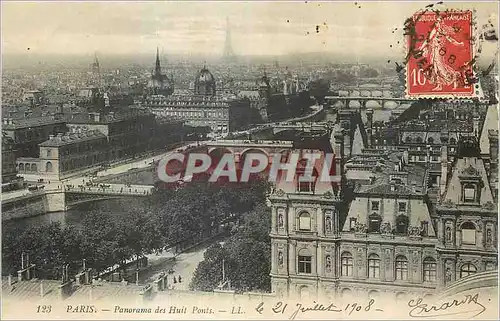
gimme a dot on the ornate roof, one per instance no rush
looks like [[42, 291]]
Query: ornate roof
[[205, 76]]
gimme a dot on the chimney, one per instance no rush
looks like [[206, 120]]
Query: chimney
[[347, 139], [51, 136], [475, 123], [369, 125], [60, 135], [339, 154], [493, 140], [444, 168]]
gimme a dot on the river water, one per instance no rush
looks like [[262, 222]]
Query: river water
[[73, 216]]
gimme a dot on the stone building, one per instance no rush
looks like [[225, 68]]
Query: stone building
[[128, 132], [160, 84], [305, 234], [222, 113], [394, 240], [467, 217], [27, 133], [64, 154], [9, 171]]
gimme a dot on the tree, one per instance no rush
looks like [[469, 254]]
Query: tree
[[247, 256], [208, 273], [99, 240]]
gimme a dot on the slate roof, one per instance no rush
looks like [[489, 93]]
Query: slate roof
[[72, 138]]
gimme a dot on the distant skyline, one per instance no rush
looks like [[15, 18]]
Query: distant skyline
[[199, 28]]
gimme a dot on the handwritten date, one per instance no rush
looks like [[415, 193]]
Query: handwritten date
[[300, 308]]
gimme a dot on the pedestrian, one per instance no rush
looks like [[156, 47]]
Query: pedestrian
[[180, 279], [175, 280]]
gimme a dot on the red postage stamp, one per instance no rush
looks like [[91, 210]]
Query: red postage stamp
[[440, 55]]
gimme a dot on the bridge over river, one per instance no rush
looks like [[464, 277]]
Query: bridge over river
[[56, 198]]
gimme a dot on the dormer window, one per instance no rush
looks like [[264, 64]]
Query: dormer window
[[374, 223], [402, 224], [469, 193]]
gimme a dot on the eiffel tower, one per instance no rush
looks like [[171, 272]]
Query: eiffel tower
[[228, 55]]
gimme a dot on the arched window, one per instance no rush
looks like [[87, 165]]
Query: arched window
[[374, 223], [373, 266], [48, 167], [346, 262], [408, 139], [21, 167], [468, 233], [453, 141], [430, 140], [304, 221], [401, 268], [402, 224], [467, 269], [430, 270], [419, 139], [33, 168]]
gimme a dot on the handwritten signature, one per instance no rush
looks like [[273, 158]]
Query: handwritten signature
[[301, 308], [424, 310]]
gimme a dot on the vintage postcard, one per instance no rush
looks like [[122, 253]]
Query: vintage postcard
[[234, 160]]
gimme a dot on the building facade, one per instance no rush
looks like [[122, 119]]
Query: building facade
[[393, 241], [27, 133], [64, 154], [9, 171], [203, 108]]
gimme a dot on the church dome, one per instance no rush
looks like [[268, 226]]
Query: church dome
[[205, 83], [205, 76]]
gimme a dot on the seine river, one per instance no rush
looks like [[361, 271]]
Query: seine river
[[73, 216]]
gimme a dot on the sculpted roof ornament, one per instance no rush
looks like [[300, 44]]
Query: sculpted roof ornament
[[489, 205], [448, 203], [470, 171], [360, 228], [280, 193], [414, 231], [328, 195], [385, 228]]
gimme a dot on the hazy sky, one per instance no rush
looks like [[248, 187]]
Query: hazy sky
[[199, 27]]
